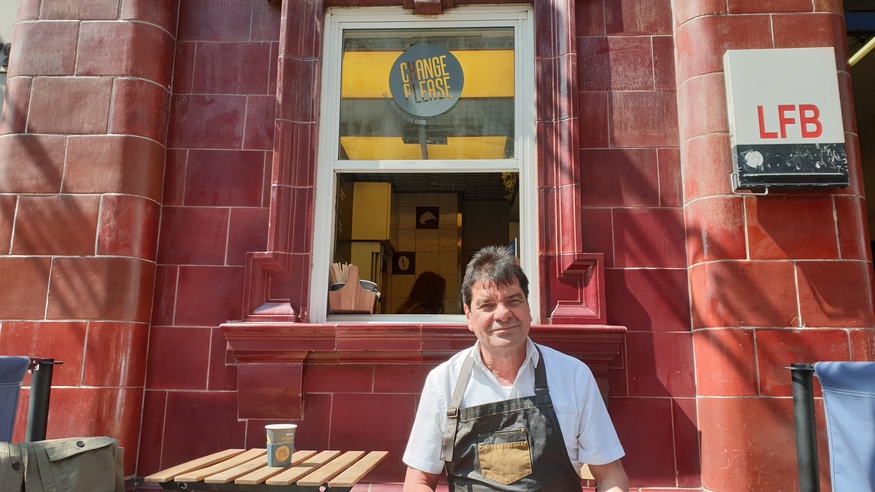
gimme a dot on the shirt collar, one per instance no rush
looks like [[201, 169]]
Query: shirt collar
[[532, 355]]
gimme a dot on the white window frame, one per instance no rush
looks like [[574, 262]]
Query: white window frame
[[525, 162]]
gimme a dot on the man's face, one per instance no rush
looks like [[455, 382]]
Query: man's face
[[499, 315]]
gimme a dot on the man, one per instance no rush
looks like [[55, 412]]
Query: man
[[506, 414]]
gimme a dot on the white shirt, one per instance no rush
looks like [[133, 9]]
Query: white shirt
[[583, 419]]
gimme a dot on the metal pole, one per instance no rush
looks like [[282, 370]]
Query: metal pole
[[806, 439], [38, 410]]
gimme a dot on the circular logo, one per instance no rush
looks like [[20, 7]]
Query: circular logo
[[281, 453], [426, 80]]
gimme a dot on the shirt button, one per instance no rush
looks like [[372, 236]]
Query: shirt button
[[80, 444], [16, 465]]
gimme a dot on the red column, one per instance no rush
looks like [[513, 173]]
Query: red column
[[774, 279], [82, 165]]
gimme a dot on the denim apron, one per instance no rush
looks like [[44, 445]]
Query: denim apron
[[511, 445]]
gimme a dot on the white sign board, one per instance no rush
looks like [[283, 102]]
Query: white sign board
[[785, 118]]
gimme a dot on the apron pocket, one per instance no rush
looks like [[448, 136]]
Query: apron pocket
[[504, 456]]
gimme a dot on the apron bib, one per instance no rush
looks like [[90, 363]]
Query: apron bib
[[512, 445]]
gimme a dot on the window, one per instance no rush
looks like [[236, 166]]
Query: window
[[426, 153]]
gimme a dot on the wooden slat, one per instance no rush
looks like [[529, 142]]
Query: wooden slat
[[330, 470], [168, 474], [359, 469], [263, 474], [292, 474], [198, 475], [230, 474]]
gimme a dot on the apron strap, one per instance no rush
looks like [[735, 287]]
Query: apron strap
[[541, 387], [449, 437]]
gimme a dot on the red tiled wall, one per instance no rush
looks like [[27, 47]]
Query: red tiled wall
[[775, 279], [82, 160]]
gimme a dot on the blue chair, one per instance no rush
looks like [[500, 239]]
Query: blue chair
[[12, 369]]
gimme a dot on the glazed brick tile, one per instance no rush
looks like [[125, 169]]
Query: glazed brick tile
[[846, 98], [560, 207], [358, 421], [598, 233], [260, 122], [835, 293], [164, 297], [139, 108], [106, 288], [115, 354], [643, 119], [192, 235], [648, 300], [8, 204], [131, 49], [231, 68], [297, 236], [594, 120], [685, 11], [183, 68], [114, 164], [649, 238], [40, 218], [791, 227], [339, 379], [97, 412], [223, 366], [208, 296], [616, 63], [214, 20], [663, 63], [151, 433], [266, 21], [247, 232], [178, 358], [70, 105], [720, 294], [128, 226], [644, 426], [44, 48], [205, 121], [28, 10], [686, 443], [557, 144], [829, 6], [75, 10], [63, 341], [763, 455], [630, 17], [162, 13], [778, 349], [553, 34], [269, 391], [299, 90], [13, 118], [295, 288], [701, 42], [702, 107], [767, 7], [809, 30], [212, 416], [670, 190], [295, 150], [174, 177], [31, 163], [660, 364], [619, 177], [23, 295], [706, 160], [306, 41], [862, 344], [400, 379], [315, 428], [726, 362], [715, 229], [590, 18], [215, 178]]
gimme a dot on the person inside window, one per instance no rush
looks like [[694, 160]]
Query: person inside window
[[427, 295], [508, 414]]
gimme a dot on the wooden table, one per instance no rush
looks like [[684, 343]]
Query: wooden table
[[246, 470]]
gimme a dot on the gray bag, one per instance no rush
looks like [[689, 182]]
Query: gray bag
[[78, 464]]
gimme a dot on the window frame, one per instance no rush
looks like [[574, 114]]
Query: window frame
[[521, 19]]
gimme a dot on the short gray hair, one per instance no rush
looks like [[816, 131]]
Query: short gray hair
[[495, 264]]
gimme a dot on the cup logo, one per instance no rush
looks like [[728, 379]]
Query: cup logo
[[282, 453]]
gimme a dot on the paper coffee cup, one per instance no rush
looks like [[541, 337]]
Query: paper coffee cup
[[280, 433]]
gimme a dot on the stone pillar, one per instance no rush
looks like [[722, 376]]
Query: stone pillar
[[81, 175], [774, 279]]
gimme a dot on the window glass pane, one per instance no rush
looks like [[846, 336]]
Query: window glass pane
[[432, 94]]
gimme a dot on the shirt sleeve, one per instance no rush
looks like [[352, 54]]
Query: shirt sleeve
[[598, 443], [424, 446]]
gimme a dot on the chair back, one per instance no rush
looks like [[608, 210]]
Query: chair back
[[12, 370]]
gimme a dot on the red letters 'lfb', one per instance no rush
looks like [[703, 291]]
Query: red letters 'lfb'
[[809, 120]]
